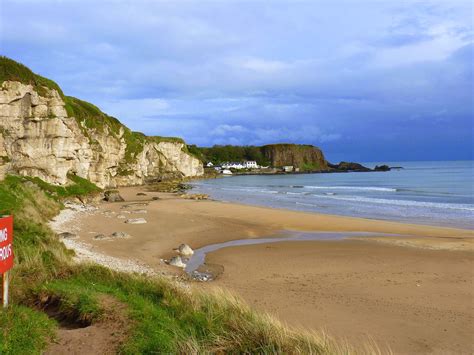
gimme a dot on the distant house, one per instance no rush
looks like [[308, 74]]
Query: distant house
[[233, 165], [252, 164], [210, 165], [288, 168], [226, 172]]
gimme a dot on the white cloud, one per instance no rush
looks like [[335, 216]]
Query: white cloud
[[264, 66], [440, 46]]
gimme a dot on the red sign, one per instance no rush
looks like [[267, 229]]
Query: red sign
[[6, 244]]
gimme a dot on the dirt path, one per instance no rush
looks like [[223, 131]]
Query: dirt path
[[103, 337]]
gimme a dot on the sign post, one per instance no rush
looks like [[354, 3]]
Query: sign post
[[6, 254]]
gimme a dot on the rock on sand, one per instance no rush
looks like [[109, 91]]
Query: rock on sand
[[67, 235], [176, 261], [122, 235], [136, 221], [100, 237], [185, 250], [113, 196]]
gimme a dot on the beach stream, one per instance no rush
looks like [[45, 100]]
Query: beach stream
[[197, 260]]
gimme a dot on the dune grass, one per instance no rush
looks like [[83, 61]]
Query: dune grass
[[171, 318], [164, 316]]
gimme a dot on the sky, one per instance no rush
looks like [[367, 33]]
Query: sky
[[363, 80]]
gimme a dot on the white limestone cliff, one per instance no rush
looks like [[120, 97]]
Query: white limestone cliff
[[37, 138]]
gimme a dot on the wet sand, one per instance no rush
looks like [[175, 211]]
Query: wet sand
[[412, 293]]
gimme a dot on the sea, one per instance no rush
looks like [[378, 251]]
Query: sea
[[439, 193]]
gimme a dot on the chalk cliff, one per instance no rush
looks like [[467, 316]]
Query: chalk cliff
[[46, 134]]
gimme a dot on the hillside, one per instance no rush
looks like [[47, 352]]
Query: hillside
[[46, 134]]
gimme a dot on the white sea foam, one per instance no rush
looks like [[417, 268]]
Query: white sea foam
[[451, 206], [361, 188]]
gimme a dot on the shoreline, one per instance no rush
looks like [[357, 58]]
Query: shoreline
[[439, 259]]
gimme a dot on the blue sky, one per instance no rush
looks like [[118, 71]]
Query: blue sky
[[364, 80]]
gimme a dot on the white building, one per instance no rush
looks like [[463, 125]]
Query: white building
[[233, 165], [252, 164], [226, 172], [210, 165]]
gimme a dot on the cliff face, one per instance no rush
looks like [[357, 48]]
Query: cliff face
[[304, 157], [45, 134]]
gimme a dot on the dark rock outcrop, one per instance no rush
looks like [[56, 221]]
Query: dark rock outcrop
[[302, 157], [382, 168], [345, 166], [349, 166]]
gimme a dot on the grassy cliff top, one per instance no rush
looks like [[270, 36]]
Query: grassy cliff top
[[11, 70]]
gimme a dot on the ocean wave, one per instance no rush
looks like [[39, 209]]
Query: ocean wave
[[450, 206], [361, 188]]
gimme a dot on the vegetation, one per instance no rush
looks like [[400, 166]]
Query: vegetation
[[90, 117], [11, 70], [79, 187], [164, 317], [224, 153]]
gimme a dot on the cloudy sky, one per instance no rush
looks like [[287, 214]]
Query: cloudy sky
[[364, 80]]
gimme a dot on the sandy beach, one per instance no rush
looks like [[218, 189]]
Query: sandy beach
[[412, 293]]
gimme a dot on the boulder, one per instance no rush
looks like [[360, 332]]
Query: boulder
[[67, 235], [155, 198], [185, 250], [100, 237], [177, 261], [113, 196], [121, 235], [136, 221]]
